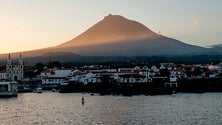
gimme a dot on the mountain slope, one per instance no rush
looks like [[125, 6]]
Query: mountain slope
[[142, 47], [112, 28], [118, 36]]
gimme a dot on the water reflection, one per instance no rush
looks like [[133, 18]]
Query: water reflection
[[63, 109]]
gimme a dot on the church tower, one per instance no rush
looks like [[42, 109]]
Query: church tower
[[9, 68], [14, 72], [20, 67]]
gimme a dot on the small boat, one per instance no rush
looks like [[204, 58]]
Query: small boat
[[54, 90], [39, 90]]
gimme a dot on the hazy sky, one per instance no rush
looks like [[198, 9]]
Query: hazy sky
[[33, 24]]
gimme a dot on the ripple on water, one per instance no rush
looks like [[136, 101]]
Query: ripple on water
[[63, 109]]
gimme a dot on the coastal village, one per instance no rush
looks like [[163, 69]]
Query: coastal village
[[166, 78]]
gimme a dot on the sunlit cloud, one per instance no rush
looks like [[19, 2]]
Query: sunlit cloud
[[196, 22]]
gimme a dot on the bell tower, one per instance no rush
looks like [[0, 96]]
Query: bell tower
[[9, 68], [20, 67]]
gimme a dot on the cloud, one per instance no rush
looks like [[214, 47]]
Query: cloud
[[196, 22]]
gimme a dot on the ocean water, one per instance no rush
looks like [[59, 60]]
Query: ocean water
[[50, 108]]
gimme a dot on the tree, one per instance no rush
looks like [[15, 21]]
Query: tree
[[30, 74], [2, 68], [105, 79], [54, 64], [188, 71], [39, 67], [197, 71], [164, 72], [35, 70]]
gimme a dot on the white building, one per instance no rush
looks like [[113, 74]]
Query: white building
[[145, 73], [53, 77], [51, 81], [86, 78], [154, 68], [46, 73], [109, 70], [3, 75], [14, 72], [125, 69], [178, 72]]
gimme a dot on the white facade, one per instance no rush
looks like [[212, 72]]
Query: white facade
[[145, 73], [54, 76], [46, 73], [109, 70], [173, 78], [125, 69], [132, 80], [178, 73], [14, 72], [3, 75], [86, 78], [52, 81], [154, 69], [214, 67]]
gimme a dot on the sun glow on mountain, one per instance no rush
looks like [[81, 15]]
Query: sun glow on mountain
[[112, 28]]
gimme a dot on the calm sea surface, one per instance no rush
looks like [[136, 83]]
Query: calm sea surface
[[51, 108]]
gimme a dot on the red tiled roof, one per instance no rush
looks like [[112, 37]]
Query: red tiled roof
[[178, 69], [136, 70], [65, 69], [211, 71], [47, 71]]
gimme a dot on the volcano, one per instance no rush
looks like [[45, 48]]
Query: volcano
[[113, 28], [116, 35]]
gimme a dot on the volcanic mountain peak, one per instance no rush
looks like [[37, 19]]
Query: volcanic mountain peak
[[112, 28], [117, 36], [127, 26]]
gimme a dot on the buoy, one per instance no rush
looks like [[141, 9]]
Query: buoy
[[83, 101]]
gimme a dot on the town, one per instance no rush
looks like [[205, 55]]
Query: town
[[163, 78]]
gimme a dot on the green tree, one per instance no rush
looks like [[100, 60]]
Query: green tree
[[39, 67], [197, 71], [2, 68], [164, 72], [188, 71], [54, 64]]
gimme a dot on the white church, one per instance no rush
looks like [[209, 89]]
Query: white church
[[14, 71]]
